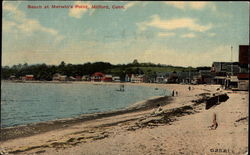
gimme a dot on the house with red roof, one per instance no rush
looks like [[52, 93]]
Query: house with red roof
[[107, 78], [97, 77], [29, 77]]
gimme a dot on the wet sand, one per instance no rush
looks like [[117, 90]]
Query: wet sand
[[182, 128], [37, 128]]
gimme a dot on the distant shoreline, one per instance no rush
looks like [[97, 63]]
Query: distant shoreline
[[41, 127], [96, 83]]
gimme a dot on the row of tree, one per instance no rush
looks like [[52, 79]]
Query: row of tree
[[46, 72]]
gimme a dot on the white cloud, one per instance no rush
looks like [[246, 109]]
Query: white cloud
[[198, 5], [130, 4], [188, 35], [79, 12], [31, 25], [166, 34], [192, 5], [26, 25], [173, 24], [120, 51], [134, 3]]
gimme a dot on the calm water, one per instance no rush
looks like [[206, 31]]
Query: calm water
[[23, 103]]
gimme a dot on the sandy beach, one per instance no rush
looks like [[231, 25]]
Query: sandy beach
[[181, 128]]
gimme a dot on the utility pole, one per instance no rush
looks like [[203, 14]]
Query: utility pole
[[231, 60], [189, 74]]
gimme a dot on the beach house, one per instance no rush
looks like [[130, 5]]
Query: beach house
[[137, 78], [116, 79], [97, 77], [78, 78], [56, 77], [226, 67], [173, 77], [86, 78], [244, 64], [161, 77], [234, 75], [71, 78], [240, 81], [63, 78], [59, 77], [12, 77], [29, 77], [128, 77], [107, 78], [205, 77], [222, 70]]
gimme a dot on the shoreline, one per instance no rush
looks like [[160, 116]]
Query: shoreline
[[13, 132], [19, 131], [184, 119], [90, 116]]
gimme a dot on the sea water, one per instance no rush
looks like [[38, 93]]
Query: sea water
[[24, 103]]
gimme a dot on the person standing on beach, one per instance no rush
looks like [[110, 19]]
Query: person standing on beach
[[215, 124], [173, 93], [176, 93]]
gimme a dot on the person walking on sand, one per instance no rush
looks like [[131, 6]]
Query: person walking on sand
[[176, 93], [173, 93]]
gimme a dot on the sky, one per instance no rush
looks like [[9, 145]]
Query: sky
[[172, 33]]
